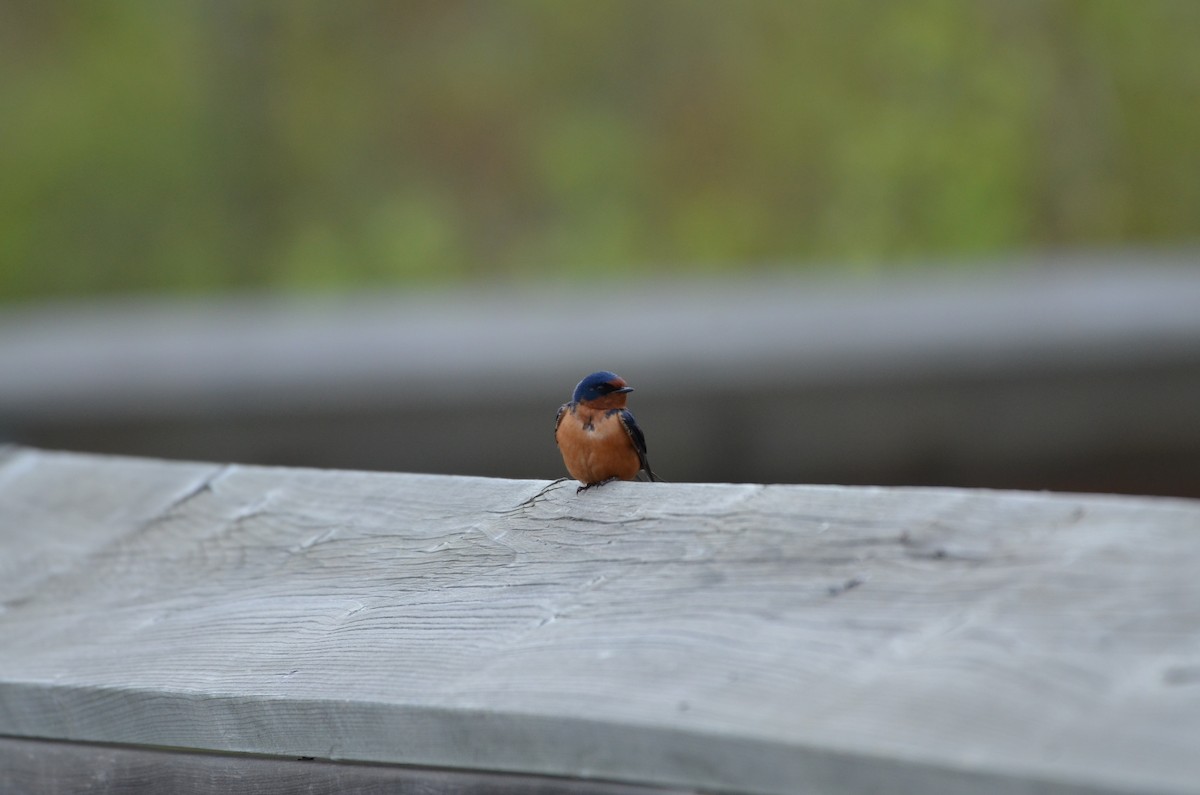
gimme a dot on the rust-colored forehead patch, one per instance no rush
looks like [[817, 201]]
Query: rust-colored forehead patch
[[618, 382]]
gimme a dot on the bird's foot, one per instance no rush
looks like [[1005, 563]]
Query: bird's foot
[[587, 486]]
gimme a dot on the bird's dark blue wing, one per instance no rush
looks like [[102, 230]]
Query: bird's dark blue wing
[[638, 438], [558, 420]]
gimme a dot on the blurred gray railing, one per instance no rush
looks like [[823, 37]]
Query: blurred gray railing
[[1077, 373]]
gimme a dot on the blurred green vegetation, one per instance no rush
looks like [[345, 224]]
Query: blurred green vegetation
[[197, 146]]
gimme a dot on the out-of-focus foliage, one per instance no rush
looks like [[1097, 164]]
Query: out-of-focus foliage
[[203, 145]]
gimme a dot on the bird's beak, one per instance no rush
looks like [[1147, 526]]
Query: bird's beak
[[624, 389]]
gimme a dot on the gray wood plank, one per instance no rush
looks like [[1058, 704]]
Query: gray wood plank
[[743, 638], [40, 767]]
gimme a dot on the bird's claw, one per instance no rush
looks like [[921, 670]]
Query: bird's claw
[[587, 486]]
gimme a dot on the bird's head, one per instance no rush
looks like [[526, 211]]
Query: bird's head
[[602, 390]]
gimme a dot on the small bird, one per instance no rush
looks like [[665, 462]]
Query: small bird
[[599, 439]]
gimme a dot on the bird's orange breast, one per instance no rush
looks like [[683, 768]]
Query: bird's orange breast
[[595, 446]]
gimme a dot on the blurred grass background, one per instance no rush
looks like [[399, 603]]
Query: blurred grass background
[[203, 146]]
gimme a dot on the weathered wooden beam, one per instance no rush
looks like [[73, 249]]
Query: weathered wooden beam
[[50, 767], [740, 638]]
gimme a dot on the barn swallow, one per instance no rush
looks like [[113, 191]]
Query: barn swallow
[[599, 439]]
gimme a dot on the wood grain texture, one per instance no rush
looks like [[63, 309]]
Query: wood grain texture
[[743, 638]]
